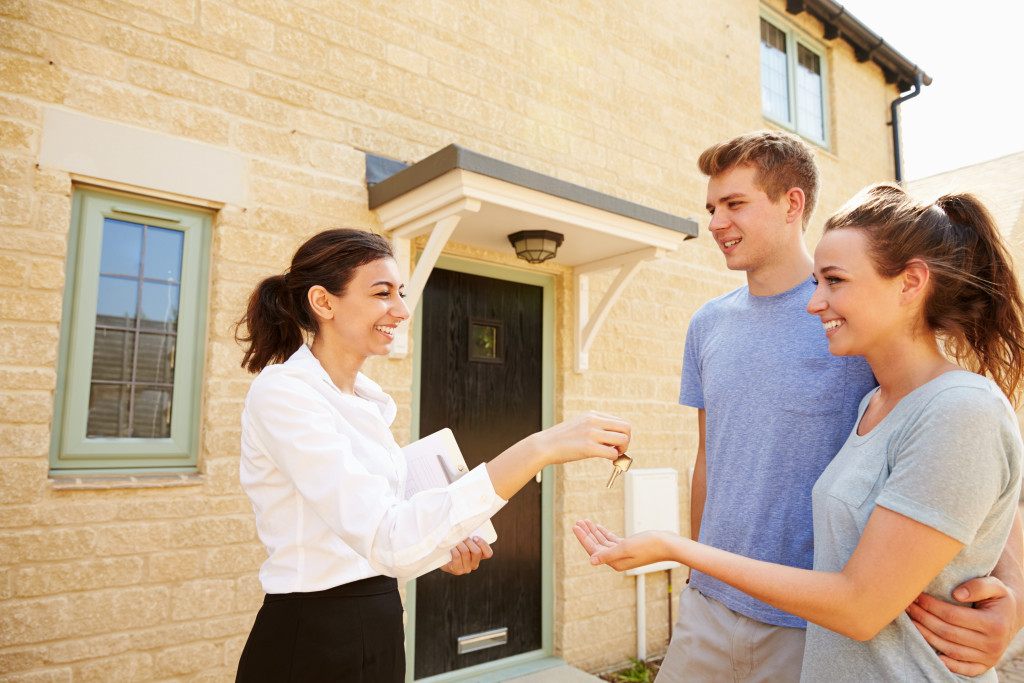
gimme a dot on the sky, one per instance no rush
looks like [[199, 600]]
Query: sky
[[974, 51]]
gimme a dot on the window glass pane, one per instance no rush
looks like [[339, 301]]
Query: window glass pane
[[122, 248], [117, 302], [163, 254], [774, 73], [810, 110], [155, 362], [159, 310], [112, 354], [152, 413], [108, 411]]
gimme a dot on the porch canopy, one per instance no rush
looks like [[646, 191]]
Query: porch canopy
[[459, 195]]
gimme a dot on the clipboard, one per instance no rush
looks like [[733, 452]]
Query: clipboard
[[435, 461]]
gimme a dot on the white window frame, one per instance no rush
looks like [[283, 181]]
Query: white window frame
[[795, 39]]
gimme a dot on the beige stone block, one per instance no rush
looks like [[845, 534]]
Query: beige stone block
[[187, 659], [202, 598], [282, 194], [45, 675], [90, 58], [233, 559], [226, 627], [13, 516], [13, 270], [300, 46], [174, 566], [25, 622], [407, 60], [172, 81], [174, 507], [76, 21], [222, 473], [19, 239], [53, 579], [207, 532], [200, 122], [23, 407], [198, 36], [46, 274], [15, 206], [36, 78], [126, 668], [6, 585], [114, 611], [22, 38], [15, 169], [237, 26], [80, 649], [219, 68], [20, 481], [249, 593], [117, 101], [48, 545], [78, 510], [164, 635], [134, 43], [235, 503], [22, 659], [28, 440], [133, 538]]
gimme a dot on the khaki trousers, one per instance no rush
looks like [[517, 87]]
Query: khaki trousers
[[712, 643]]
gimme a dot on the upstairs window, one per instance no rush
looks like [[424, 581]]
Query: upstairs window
[[793, 82], [133, 335]]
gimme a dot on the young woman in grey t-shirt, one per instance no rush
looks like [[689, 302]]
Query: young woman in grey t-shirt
[[923, 494]]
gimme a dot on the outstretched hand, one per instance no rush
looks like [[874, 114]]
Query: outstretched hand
[[970, 640], [620, 554], [588, 435], [467, 555]]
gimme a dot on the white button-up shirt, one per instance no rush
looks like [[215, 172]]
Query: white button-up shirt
[[327, 483]]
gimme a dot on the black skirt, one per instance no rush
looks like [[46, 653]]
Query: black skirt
[[350, 633]]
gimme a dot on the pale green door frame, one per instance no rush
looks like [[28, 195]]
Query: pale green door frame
[[528, 661]]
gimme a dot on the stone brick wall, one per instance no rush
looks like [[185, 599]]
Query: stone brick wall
[[134, 580]]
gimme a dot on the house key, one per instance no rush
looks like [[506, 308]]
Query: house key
[[621, 464]]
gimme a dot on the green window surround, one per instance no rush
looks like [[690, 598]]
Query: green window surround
[[129, 379]]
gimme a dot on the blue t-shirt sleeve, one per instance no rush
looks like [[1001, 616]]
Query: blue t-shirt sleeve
[[691, 387]]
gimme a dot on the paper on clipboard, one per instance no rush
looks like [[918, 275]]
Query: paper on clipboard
[[435, 461]]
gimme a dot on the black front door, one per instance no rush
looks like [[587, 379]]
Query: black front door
[[481, 365]]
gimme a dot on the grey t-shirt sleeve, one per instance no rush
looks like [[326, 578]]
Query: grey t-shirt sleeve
[[952, 462]]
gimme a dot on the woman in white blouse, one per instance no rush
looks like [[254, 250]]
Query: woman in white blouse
[[326, 478]]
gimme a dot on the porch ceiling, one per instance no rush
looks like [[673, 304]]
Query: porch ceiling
[[494, 199], [459, 195]]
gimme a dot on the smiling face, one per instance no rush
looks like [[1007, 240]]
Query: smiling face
[[859, 309], [361, 322], [749, 228]]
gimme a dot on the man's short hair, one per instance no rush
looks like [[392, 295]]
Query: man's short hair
[[782, 161]]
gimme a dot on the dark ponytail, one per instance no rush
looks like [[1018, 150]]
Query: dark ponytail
[[278, 317], [974, 303]]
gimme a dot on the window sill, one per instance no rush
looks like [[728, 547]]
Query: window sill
[[103, 482]]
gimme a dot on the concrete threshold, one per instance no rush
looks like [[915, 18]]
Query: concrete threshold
[[558, 674]]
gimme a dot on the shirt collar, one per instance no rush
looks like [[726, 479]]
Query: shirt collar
[[365, 387]]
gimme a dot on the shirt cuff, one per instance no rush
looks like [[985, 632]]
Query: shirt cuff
[[473, 496]]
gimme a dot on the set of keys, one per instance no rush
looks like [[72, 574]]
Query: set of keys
[[620, 465]]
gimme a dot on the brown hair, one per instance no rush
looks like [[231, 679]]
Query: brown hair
[[783, 161], [974, 303], [278, 315]]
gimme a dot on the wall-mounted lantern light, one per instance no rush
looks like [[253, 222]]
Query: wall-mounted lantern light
[[536, 246]]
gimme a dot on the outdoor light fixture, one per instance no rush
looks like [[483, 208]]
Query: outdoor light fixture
[[536, 246]]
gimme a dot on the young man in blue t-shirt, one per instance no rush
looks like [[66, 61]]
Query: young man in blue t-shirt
[[773, 408]]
